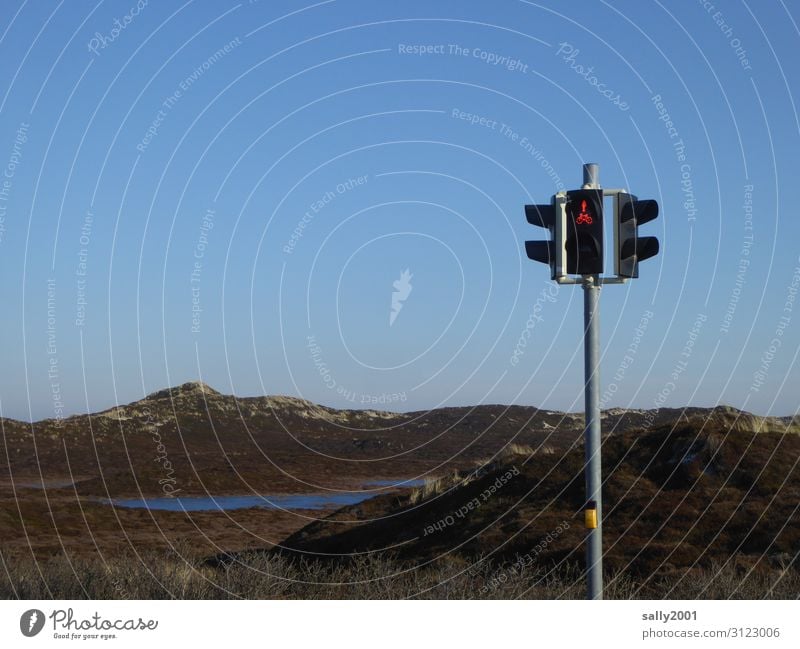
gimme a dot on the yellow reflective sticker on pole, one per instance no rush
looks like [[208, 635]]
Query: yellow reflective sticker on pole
[[590, 518]]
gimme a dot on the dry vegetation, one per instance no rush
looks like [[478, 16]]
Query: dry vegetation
[[437, 485], [693, 508], [270, 576]]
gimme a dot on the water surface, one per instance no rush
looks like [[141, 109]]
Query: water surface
[[327, 500]]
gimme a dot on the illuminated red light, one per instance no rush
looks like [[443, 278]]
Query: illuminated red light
[[584, 216]]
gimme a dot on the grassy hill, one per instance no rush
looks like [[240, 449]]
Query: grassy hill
[[675, 499], [694, 499]]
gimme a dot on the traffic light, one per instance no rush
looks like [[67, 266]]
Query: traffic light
[[631, 248], [546, 252], [584, 236]]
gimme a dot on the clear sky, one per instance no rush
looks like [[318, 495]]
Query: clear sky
[[233, 191]]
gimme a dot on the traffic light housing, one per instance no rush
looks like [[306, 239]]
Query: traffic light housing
[[631, 248], [583, 243], [544, 216]]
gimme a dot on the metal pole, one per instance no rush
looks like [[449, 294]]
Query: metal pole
[[591, 175], [591, 349], [592, 440]]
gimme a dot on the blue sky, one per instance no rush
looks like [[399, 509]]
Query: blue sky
[[230, 191]]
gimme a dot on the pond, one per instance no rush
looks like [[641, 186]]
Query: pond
[[327, 500]]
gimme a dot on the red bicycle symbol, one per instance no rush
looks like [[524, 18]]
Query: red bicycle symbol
[[583, 215]]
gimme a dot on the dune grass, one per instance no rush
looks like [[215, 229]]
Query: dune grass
[[177, 575], [437, 485]]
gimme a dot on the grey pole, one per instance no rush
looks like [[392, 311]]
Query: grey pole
[[591, 175], [592, 440]]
